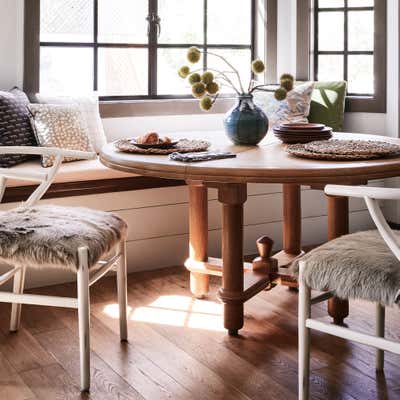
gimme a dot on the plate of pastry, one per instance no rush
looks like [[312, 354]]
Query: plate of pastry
[[152, 140]]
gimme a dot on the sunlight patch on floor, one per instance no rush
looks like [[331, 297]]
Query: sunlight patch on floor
[[174, 310]]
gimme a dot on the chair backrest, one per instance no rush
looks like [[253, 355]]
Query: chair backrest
[[44, 178]]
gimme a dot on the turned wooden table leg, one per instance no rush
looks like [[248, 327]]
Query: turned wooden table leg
[[291, 231], [198, 236], [232, 197], [338, 225], [292, 219]]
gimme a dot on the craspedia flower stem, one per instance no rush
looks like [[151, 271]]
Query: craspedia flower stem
[[230, 66], [212, 88], [287, 84], [198, 90], [206, 103], [194, 78], [207, 77], [286, 76], [280, 94], [184, 71], [258, 66], [193, 55]]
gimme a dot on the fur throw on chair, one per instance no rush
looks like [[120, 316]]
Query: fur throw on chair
[[355, 266], [49, 236]]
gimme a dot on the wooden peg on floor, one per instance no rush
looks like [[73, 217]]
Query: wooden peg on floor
[[265, 263]]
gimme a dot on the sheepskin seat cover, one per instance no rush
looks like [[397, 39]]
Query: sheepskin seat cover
[[355, 266], [49, 236]]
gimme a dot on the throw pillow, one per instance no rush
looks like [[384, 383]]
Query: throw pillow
[[295, 108], [15, 127], [59, 126], [89, 106], [327, 104]]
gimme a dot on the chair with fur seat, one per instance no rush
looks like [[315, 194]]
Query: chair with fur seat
[[87, 242], [363, 265]]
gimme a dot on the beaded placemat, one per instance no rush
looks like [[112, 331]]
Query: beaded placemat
[[183, 146], [342, 150]]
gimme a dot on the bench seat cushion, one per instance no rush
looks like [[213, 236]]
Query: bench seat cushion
[[49, 236], [84, 170], [355, 266]]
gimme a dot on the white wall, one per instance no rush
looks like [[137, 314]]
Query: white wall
[[158, 217], [11, 43]]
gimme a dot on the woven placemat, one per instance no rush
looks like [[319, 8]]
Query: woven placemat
[[183, 146], [344, 150]]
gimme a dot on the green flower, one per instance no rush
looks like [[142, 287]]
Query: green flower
[[258, 66], [287, 76], [206, 103], [184, 71], [193, 55], [287, 84], [212, 88], [194, 78], [207, 77], [198, 89], [280, 94]]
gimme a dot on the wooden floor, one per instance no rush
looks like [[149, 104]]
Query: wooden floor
[[178, 350]]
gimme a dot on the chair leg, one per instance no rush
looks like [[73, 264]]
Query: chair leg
[[304, 336], [122, 293], [19, 282], [84, 317], [380, 332]]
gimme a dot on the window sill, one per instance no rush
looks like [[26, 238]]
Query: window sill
[[375, 104], [141, 108]]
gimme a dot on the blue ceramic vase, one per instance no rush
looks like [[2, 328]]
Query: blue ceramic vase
[[245, 123]]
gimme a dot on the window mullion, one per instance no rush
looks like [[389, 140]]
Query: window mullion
[[95, 44], [346, 40], [316, 40], [152, 67], [205, 28]]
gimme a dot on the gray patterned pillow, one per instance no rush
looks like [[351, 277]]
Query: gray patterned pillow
[[15, 127], [60, 126]]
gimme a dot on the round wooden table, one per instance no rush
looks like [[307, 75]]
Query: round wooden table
[[266, 163]]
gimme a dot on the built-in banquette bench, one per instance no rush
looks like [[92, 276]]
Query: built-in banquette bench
[[82, 178]]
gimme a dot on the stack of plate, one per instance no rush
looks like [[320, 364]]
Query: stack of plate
[[302, 133]]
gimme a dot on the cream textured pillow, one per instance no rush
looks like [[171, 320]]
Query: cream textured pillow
[[295, 108], [89, 106], [59, 126]]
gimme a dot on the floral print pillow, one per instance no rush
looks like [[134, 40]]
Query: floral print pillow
[[295, 108]]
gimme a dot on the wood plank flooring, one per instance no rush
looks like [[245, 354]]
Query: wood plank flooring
[[178, 350]]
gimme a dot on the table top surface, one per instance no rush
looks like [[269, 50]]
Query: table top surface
[[266, 163]]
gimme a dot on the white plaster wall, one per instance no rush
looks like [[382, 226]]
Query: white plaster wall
[[158, 217]]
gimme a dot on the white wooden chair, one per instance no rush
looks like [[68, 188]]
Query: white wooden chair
[[87, 274], [315, 270]]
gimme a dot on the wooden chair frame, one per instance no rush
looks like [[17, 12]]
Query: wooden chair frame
[[371, 196], [84, 278]]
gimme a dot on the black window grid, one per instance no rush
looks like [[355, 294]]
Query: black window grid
[[152, 45], [346, 52]]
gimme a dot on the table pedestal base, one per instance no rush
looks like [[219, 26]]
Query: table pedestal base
[[241, 281]]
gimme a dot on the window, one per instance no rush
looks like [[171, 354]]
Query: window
[[132, 49], [349, 44]]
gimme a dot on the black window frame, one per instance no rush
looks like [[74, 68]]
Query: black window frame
[[307, 59], [346, 52], [153, 47]]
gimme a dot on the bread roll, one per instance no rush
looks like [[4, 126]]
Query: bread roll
[[148, 138]]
